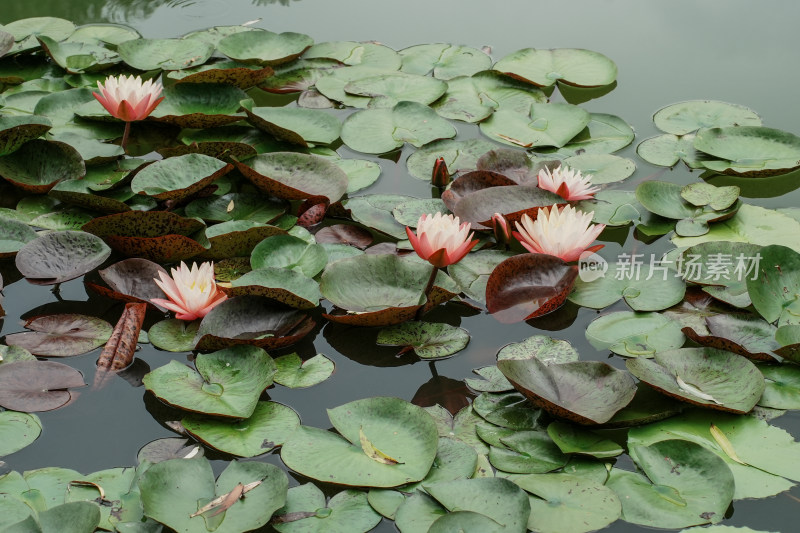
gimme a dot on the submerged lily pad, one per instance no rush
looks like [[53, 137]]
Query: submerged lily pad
[[37, 385], [571, 389], [573, 66], [268, 427], [17, 430], [377, 131], [712, 378], [60, 256], [687, 117], [428, 340], [385, 442], [227, 383]]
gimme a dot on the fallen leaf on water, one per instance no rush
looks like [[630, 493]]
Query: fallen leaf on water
[[121, 347], [374, 453], [224, 502], [725, 444], [694, 391]]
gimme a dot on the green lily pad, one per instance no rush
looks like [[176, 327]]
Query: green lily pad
[[687, 117], [522, 452], [217, 33], [268, 427], [331, 85], [574, 439], [565, 503], [360, 173], [13, 236], [444, 61], [251, 320], [236, 206], [306, 511], [295, 373], [200, 105], [38, 165], [376, 290], [475, 98], [79, 57], [113, 34], [60, 107], [508, 410], [493, 380], [717, 198], [571, 389], [604, 134], [264, 47], [604, 168], [666, 150], [693, 486], [708, 377], [237, 238], [17, 430], [173, 335], [11, 354], [377, 131], [386, 90], [288, 251], [429, 340], [227, 382], [295, 176], [53, 27], [174, 491], [543, 68], [458, 155], [500, 500], [376, 211], [761, 451], [634, 334], [16, 131], [643, 287], [385, 442], [60, 256], [179, 177], [353, 53], [547, 124], [749, 150], [289, 287], [782, 387], [751, 224], [775, 293], [305, 127], [164, 54]]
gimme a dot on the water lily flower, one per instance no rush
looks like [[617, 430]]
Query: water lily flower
[[128, 98], [567, 183], [564, 233], [192, 292], [502, 231], [440, 176], [441, 239]]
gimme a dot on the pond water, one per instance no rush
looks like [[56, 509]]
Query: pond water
[[730, 50]]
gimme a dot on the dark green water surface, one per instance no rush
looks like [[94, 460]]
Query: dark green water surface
[[737, 51]]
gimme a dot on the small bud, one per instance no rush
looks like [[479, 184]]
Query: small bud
[[440, 176], [502, 231]]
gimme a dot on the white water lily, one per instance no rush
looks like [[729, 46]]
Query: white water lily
[[567, 183], [566, 233]]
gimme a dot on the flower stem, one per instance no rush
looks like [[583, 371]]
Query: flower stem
[[126, 135], [428, 289]]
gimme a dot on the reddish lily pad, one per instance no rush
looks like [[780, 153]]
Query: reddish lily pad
[[60, 256], [344, 234], [179, 177], [295, 176], [711, 378], [251, 320], [62, 335], [37, 385], [510, 201], [225, 72], [527, 286], [746, 335], [132, 280], [587, 392], [38, 165]]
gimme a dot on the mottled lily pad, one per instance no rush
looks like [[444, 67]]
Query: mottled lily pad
[[428, 340], [60, 256], [634, 334], [200, 105], [687, 117], [16, 131], [643, 287], [13, 236], [179, 177], [289, 287]]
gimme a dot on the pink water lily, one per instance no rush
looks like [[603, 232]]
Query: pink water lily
[[441, 239], [128, 98], [192, 292], [564, 233], [567, 183]]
